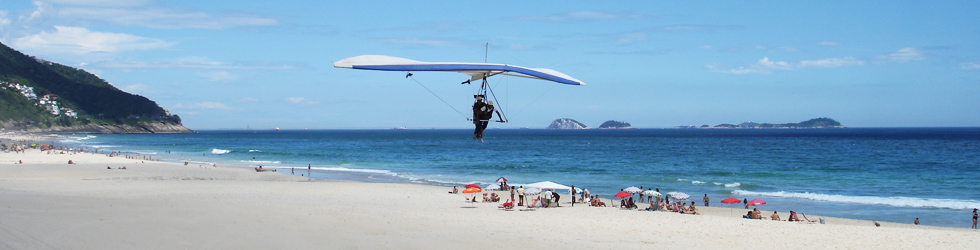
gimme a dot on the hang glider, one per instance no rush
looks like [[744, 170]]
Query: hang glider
[[476, 71]]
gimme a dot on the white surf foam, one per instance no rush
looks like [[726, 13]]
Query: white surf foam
[[254, 150], [733, 185], [872, 200], [697, 182], [358, 170], [219, 151]]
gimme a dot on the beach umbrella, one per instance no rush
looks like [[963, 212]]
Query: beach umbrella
[[678, 195], [622, 194], [632, 190], [651, 193], [756, 202], [731, 200], [472, 185], [532, 191], [471, 190], [492, 187], [501, 179]]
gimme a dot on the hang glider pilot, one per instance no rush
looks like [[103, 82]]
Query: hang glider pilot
[[482, 113]]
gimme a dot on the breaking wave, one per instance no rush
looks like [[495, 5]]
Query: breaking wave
[[872, 200]]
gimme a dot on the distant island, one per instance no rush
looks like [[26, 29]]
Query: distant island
[[822, 122], [610, 124], [566, 123]]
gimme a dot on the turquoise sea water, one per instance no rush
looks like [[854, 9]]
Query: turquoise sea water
[[885, 174]]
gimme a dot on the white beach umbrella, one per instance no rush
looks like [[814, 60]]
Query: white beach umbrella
[[651, 193], [492, 187], [532, 191], [632, 190], [678, 195]]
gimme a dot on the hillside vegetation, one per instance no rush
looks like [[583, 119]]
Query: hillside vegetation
[[40, 94]]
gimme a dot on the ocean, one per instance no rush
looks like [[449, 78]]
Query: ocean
[[883, 174]]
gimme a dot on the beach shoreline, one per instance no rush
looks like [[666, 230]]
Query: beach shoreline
[[51, 204]]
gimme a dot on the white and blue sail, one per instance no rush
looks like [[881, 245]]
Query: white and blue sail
[[476, 71]]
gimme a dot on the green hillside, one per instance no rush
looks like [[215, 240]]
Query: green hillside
[[65, 96]]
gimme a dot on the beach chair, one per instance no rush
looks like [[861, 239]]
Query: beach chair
[[509, 205], [533, 206]]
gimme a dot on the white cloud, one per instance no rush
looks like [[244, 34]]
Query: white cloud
[[79, 41], [219, 76], [116, 3], [427, 42], [300, 100], [903, 55], [4, 21], [136, 88], [164, 18], [765, 65], [632, 38], [586, 15], [194, 63], [970, 66], [203, 105], [829, 43]]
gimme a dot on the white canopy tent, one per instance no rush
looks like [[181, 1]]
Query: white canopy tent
[[549, 185]]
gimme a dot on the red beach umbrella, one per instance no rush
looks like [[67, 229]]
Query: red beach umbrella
[[731, 200], [501, 179], [756, 202], [472, 186], [623, 194]]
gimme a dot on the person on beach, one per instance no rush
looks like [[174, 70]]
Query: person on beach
[[746, 202], [974, 218], [573, 195], [640, 194], [520, 195], [705, 200], [916, 221], [557, 198], [775, 217], [547, 199], [512, 192]]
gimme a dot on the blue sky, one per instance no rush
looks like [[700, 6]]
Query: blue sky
[[655, 64]]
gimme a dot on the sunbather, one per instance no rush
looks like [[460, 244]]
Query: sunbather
[[774, 216]]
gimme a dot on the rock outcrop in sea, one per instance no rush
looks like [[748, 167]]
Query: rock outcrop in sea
[[566, 123], [610, 124]]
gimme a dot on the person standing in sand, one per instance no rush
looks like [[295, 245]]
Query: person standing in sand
[[520, 195], [512, 192], [573, 195], [705, 200], [974, 218]]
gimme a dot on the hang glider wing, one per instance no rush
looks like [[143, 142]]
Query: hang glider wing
[[476, 71]]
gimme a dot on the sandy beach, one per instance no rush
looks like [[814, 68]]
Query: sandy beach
[[50, 204]]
